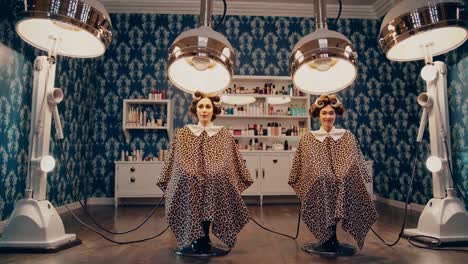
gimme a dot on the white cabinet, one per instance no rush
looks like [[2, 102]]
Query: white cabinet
[[270, 172], [275, 173], [146, 114], [137, 179], [253, 165]]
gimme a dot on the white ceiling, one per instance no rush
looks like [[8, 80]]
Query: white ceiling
[[365, 9]]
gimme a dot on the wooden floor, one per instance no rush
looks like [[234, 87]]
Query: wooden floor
[[254, 244]]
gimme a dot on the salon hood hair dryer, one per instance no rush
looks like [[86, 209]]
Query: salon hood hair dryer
[[73, 28], [444, 216], [418, 30]]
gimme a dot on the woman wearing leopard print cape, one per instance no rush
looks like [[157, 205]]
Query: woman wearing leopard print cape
[[203, 177], [329, 175]]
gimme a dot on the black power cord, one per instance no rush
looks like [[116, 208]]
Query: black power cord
[[339, 12], [408, 195], [75, 196], [281, 234], [94, 221], [455, 183], [111, 240], [435, 242], [222, 18]]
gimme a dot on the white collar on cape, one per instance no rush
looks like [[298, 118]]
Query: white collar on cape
[[335, 133], [210, 129]]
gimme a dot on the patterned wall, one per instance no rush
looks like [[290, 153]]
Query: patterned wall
[[457, 64], [74, 76], [381, 104]]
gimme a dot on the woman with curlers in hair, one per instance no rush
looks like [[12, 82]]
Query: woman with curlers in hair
[[203, 178], [329, 174]]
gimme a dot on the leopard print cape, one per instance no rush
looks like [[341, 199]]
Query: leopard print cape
[[329, 178], [203, 178]]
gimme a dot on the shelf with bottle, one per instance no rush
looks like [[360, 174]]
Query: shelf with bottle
[[263, 85], [293, 109], [147, 114], [269, 130], [275, 116], [254, 144]]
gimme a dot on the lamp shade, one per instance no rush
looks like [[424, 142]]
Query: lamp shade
[[82, 27], [201, 59], [412, 24], [237, 99], [323, 62]]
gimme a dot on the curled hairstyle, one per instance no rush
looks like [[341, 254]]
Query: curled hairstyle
[[323, 101], [215, 101]]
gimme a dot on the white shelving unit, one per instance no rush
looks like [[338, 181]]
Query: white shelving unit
[[262, 117], [268, 168], [127, 125]]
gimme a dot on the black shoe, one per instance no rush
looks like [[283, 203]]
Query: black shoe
[[185, 251], [197, 249], [331, 245], [330, 249], [202, 245]]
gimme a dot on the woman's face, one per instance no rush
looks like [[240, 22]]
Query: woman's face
[[204, 110], [327, 117]]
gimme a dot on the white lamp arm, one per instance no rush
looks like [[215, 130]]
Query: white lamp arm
[[425, 101], [54, 98]]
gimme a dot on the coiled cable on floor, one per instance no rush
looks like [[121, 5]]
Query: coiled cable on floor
[[281, 234], [74, 193], [75, 196]]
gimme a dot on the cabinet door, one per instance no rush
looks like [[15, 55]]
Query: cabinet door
[[275, 173], [252, 162], [138, 180]]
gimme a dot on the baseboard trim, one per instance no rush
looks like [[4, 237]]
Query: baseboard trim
[[72, 206], [398, 204], [101, 201]]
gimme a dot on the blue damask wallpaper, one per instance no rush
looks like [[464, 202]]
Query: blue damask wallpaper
[[382, 109]]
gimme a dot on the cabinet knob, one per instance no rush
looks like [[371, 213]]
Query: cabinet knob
[[132, 169], [263, 173], [275, 161], [256, 173], [132, 179]]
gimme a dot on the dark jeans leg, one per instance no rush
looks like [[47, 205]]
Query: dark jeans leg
[[206, 228]]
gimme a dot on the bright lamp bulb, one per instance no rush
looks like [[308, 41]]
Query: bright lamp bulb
[[201, 59], [47, 163], [323, 62], [434, 164]]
